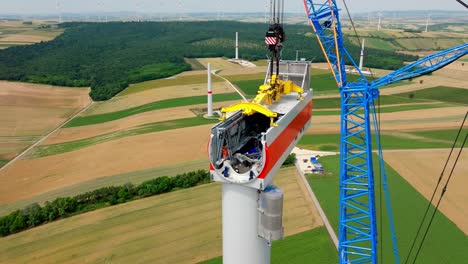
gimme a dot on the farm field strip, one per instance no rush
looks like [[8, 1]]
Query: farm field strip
[[142, 225], [41, 175], [157, 94], [422, 170], [168, 103], [391, 140], [408, 206], [175, 113], [54, 149], [172, 81], [134, 177]]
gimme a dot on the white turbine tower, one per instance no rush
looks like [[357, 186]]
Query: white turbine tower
[[361, 57], [427, 21], [380, 22], [99, 4], [180, 10], [59, 10]]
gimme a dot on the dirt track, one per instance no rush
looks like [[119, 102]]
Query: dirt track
[[421, 168]]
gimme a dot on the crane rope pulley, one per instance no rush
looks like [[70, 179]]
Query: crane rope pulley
[[271, 91]]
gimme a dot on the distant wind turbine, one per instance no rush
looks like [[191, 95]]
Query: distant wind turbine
[[380, 22], [59, 11], [427, 21]]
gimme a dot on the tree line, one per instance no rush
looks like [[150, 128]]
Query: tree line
[[109, 56], [35, 215]]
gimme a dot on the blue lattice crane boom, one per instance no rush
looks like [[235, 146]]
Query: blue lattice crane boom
[[357, 221]]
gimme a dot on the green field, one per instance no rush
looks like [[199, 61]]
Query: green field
[[134, 177], [54, 149], [312, 246], [163, 104], [445, 242], [406, 140], [440, 93], [3, 162]]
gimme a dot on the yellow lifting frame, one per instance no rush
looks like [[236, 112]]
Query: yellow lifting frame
[[266, 95]]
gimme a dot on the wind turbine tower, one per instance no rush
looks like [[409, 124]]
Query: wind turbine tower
[[59, 10], [380, 22], [427, 21], [210, 92], [361, 57], [237, 45]]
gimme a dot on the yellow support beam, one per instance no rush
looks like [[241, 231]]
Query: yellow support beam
[[267, 94]]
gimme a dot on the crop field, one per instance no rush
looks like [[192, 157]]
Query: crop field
[[30, 111], [156, 94], [152, 225], [422, 170], [408, 207], [134, 177], [392, 40], [14, 33], [129, 154], [54, 149], [177, 80], [390, 140], [163, 104]]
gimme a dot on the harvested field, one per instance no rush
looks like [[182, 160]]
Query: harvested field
[[148, 96], [31, 110], [134, 177], [36, 176], [26, 38], [122, 233], [82, 132], [421, 168]]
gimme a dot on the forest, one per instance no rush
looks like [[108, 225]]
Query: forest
[[109, 56]]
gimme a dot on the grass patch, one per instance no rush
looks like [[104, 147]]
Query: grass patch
[[300, 248], [163, 104], [49, 150], [440, 93], [249, 87], [178, 80], [331, 142], [408, 207], [3, 162]]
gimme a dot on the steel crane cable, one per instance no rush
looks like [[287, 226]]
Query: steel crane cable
[[434, 193], [444, 190]]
